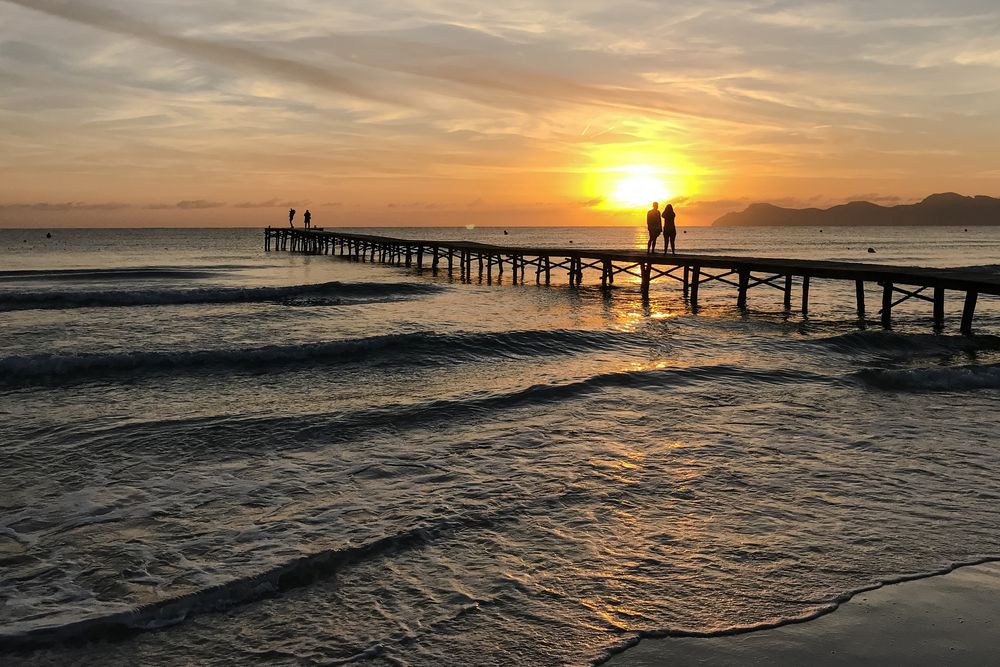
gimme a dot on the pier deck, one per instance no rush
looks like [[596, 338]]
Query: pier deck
[[898, 283]]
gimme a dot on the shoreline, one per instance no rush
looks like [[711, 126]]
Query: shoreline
[[943, 617]]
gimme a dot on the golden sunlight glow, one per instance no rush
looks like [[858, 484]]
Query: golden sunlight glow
[[638, 189], [631, 177]]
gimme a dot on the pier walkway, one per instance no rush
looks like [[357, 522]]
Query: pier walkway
[[898, 283]]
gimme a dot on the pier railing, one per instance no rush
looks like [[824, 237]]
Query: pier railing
[[898, 283]]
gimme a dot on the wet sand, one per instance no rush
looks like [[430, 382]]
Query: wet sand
[[952, 619]]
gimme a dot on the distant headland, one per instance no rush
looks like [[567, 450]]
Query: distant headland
[[939, 209]]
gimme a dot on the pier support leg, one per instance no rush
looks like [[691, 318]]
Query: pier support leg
[[548, 269], [695, 282], [741, 296], [646, 269], [938, 307], [859, 290], [575, 271], [687, 280], [480, 265], [887, 304], [805, 295], [969, 312], [420, 257], [451, 261], [788, 292], [605, 272]]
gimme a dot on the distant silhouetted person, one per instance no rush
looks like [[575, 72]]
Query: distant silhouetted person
[[653, 225], [669, 230], [291, 216], [307, 218]]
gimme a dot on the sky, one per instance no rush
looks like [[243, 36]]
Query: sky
[[447, 112]]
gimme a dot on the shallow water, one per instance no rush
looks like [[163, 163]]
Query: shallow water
[[290, 459]]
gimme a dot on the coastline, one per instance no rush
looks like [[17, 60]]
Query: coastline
[[946, 618]]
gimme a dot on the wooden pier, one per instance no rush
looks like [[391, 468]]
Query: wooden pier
[[898, 283]]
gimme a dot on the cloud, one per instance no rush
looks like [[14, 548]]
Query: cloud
[[590, 203], [199, 203], [270, 203], [223, 54], [186, 204], [876, 197], [50, 207]]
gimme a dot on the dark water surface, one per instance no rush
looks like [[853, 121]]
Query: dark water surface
[[213, 455]]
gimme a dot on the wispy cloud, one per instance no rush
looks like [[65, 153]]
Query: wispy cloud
[[189, 204], [186, 204], [227, 55], [60, 207], [270, 203]]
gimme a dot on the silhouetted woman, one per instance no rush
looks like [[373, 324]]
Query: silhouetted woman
[[291, 216], [653, 225], [669, 230]]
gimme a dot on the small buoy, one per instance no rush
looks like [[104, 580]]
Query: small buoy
[[48, 235], [821, 231], [966, 229], [570, 241], [505, 232], [871, 250]]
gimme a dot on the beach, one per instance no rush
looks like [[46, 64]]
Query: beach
[[949, 619]]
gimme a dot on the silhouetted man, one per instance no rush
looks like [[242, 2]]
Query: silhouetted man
[[307, 218], [291, 216], [653, 225]]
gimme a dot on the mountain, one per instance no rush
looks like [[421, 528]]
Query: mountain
[[939, 209]]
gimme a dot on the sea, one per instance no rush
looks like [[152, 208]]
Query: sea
[[215, 455]]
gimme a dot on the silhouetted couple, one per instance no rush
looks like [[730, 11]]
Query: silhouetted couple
[[668, 229], [307, 218]]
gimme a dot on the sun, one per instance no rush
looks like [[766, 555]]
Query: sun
[[638, 189], [630, 187]]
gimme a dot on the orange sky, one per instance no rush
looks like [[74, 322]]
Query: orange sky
[[450, 112]]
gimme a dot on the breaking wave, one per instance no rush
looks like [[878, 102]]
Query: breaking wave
[[244, 590], [952, 378], [409, 348], [332, 293], [887, 343]]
